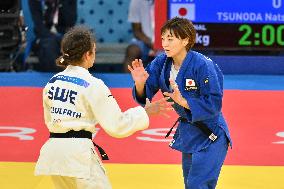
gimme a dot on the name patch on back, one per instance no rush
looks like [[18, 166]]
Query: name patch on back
[[75, 80], [63, 95]]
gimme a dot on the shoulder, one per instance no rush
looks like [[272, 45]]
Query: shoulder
[[203, 62], [53, 78], [157, 63], [161, 56], [97, 84], [160, 59], [200, 60], [96, 81], [50, 81]]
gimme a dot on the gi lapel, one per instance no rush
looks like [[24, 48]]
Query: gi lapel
[[165, 75], [181, 74]]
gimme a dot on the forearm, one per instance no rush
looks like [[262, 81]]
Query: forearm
[[140, 90], [126, 123]]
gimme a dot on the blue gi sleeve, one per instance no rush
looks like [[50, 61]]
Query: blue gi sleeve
[[152, 84], [208, 103]]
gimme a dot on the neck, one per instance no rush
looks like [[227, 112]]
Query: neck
[[81, 64], [178, 59]]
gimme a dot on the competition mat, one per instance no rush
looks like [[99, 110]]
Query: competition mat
[[253, 107]]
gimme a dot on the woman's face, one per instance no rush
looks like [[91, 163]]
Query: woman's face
[[92, 57], [172, 45]]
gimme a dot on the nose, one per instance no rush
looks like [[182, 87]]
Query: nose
[[164, 43]]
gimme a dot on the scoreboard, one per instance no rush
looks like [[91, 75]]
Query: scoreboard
[[233, 24]]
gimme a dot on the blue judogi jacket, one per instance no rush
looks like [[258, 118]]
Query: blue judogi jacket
[[200, 82]]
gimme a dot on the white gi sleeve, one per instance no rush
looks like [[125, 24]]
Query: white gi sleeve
[[46, 110], [109, 115]]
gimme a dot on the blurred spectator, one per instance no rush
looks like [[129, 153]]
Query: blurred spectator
[[51, 18], [141, 16]]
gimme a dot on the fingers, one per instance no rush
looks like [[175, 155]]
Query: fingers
[[165, 108], [159, 107], [163, 104], [173, 84], [169, 95], [164, 99], [129, 68], [140, 63], [137, 63], [147, 101]]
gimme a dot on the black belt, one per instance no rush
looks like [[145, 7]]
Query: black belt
[[199, 125], [80, 134]]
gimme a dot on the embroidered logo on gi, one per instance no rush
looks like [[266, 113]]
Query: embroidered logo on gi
[[206, 80], [190, 84]]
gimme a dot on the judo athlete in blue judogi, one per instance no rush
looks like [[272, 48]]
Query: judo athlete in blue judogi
[[195, 84]]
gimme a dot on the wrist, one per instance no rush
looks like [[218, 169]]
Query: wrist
[[184, 103], [139, 85], [140, 93]]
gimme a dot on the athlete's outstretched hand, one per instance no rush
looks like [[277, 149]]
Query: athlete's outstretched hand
[[159, 107], [138, 73], [176, 96]]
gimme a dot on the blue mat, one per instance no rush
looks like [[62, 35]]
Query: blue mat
[[243, 82]]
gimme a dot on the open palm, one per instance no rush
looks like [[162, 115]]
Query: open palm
[[138, 72]]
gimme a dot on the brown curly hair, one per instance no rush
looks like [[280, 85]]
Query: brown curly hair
[[75, 43], [181, 28]]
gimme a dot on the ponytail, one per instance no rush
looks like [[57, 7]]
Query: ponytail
[[62, 61]]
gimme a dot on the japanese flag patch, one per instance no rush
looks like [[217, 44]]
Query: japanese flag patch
[[190, 84]]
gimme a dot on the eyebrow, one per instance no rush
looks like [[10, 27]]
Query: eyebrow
[[169, 35]]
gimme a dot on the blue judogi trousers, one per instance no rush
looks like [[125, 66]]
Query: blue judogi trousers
[[201, 169]]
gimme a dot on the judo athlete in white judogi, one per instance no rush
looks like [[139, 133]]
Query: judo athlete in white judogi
[[74, 102]]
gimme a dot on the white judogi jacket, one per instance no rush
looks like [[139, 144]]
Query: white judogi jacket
[[75, 100]]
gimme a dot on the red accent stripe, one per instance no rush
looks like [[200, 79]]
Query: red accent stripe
[[254, 118], [160, 19]]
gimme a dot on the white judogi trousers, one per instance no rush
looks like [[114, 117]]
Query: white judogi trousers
[[72, 163]]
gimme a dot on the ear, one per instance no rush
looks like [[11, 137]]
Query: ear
[[185, 41], [86, 55]]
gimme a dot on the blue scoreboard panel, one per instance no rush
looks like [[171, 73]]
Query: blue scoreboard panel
[[234, 24]]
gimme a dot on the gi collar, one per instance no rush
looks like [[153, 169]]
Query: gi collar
[[185, 64], [77, 69]]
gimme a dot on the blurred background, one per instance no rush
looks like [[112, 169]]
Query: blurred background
[[245, 38]]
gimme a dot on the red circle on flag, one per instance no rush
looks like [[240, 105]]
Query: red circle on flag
[[182, 11]]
